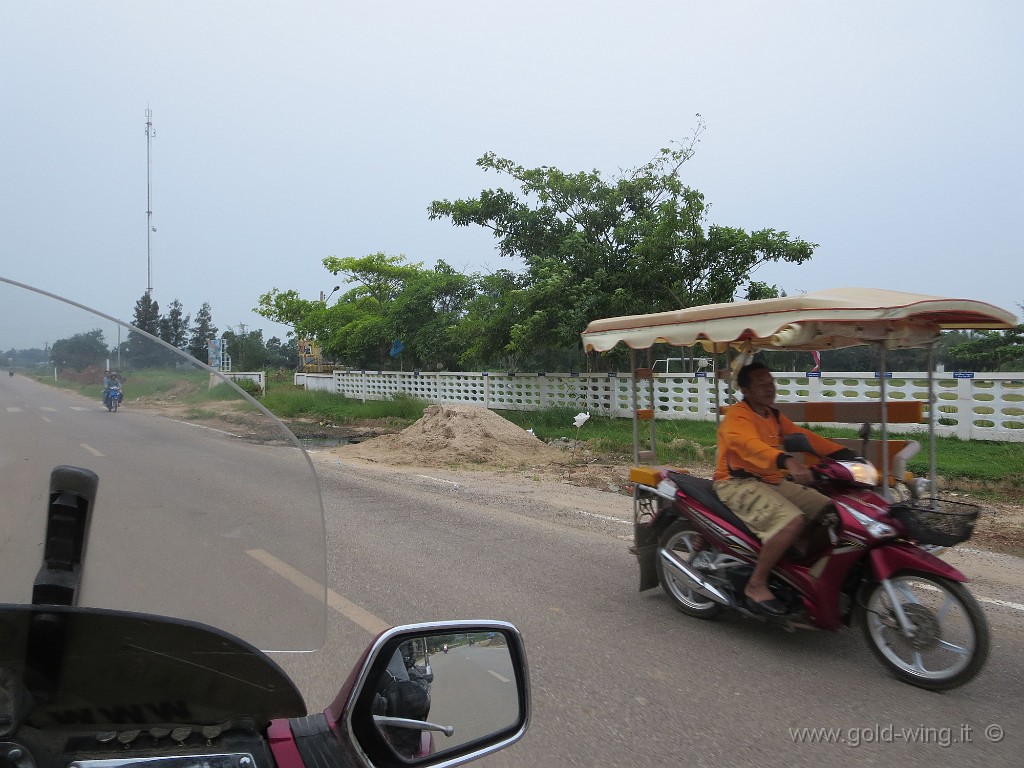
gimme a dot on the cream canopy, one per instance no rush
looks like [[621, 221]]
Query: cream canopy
[[830, 319]]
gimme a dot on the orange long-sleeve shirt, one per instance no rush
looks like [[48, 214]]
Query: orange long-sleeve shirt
[[751, 443]]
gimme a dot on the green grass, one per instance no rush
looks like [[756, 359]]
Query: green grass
[[290, 402]]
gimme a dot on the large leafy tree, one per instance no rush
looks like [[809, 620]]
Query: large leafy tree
[[425, 316], [246, 347], [988, 351], [80, 351], [595, 247], [486, 333]]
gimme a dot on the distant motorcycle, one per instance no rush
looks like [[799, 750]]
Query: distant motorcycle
[[112, 396]]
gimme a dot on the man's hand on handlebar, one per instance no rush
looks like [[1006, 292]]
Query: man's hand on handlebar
[[799, 471]]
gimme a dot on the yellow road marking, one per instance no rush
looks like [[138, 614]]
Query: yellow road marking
[[346, 608]]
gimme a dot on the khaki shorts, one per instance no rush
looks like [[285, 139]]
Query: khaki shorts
[[766, 508]]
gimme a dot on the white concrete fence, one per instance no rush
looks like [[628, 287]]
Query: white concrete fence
[[983, 406]]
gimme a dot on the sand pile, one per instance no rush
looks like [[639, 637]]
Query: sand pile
[[457, 435]]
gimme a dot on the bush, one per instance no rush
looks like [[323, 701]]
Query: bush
[[250, 387]]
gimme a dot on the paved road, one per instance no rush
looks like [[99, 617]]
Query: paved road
[[620, 678]]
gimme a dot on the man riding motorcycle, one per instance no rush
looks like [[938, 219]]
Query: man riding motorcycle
[[749, 478]]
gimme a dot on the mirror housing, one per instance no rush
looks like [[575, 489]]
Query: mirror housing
[[459, 706], [797, 443]]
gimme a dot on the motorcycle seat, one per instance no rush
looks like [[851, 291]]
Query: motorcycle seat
[[702, 490]]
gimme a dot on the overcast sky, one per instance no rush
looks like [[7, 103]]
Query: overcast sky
[[888, 132]]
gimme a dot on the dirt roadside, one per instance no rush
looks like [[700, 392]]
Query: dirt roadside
[[481, 443], [483, 446]]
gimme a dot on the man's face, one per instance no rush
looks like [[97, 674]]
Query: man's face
[[761, 390]]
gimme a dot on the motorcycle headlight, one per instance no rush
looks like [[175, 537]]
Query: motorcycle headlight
[[876, 528], [863, 472]]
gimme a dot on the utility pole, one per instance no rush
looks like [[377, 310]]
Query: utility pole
[[150, 229]]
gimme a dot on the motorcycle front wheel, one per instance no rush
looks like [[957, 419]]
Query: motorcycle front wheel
[[113, 404], [680, 538], [949, 639]]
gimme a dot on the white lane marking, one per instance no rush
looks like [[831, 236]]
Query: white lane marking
[[438, 479], [346, 608], [1001, 603], [503, 679], [13, 409], [92, 450], [79, 408], [203, 426], [47, 419], [609, 518]]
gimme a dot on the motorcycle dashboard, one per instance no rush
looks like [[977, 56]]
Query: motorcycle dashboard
[[206, 511]]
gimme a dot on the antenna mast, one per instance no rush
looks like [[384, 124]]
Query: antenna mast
[[150, 133]]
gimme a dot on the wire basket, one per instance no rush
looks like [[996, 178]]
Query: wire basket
[[938, 522]]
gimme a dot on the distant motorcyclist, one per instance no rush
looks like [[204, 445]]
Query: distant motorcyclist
[[110, 380]]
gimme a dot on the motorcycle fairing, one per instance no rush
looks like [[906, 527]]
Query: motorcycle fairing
[[901, 556], [88, 668]]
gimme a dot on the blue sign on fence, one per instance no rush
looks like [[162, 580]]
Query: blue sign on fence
[[888, 375], [963, 374], [814, 374], [701, 374]]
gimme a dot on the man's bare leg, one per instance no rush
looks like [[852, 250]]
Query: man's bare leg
[[771, 552]]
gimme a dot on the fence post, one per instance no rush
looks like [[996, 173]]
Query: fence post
[[964, 407]]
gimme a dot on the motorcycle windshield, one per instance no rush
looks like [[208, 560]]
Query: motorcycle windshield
[[207, 509]]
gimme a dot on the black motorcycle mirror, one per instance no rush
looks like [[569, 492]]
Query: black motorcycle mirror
[[864, 433], [797, 443]]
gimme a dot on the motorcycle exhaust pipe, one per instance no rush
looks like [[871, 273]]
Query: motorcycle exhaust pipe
[[670, 562]]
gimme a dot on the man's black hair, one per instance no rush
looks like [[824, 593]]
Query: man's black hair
[[743, 377]]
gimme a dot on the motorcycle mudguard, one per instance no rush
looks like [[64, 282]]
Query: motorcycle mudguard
[[901, 556], [645, 538]]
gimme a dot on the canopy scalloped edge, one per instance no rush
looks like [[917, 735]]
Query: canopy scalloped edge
[[829, 319]]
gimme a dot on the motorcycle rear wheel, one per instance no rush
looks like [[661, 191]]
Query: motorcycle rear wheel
[[951, 642], [680, 538]]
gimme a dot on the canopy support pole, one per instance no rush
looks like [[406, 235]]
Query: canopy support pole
[[636, 404], [883, 397], [933, 472]]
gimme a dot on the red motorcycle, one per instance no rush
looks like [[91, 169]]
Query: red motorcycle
[[862, 563], [206, 547]]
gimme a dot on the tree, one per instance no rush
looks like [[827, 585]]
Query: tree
[[247, 350], [598, 248], [174, 326], [140, 351], [80, 351], [282, 354], [485, 333], [425, 315], [203, 330], [989, 351]]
